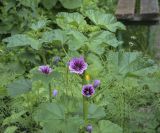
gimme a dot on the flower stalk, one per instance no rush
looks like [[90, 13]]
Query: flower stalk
[[50, 93], [85, 109]]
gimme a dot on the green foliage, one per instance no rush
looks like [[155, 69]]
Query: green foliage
[[18, 87], [130, 64], [71, 21], [109, 127], [10, 129], [106, 21], [13, 118], [22, 40], [95, 112], [49, 4], [75, 3], [35, 32], [56, 119]]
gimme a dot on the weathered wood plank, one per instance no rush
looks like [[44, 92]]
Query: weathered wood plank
[[149, 8], [125, 8], [154, 41]]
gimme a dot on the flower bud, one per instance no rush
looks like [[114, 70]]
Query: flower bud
[[55, 92], [89, 128], [96, 83]]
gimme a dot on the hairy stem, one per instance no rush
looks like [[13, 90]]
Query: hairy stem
[[85, 109], [50, 93]]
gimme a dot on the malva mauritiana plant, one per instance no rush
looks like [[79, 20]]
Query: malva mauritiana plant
[[78, 66]]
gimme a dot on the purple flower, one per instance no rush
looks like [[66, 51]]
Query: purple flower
[[45, 69], [88, 90], [55, 92], [77, 65], [96, 83], [89, 128]]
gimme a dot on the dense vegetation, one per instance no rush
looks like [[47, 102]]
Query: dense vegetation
[[39, 92]]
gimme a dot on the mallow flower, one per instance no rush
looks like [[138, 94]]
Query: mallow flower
[[77, 65], [88, 90], [45, 69], [89, 128], [96, 83], [55, 92]]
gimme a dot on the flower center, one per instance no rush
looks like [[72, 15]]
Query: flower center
[[78, 66]]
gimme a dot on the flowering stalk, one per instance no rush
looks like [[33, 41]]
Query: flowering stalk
[[85, 109], [50, 93], [67, 80]]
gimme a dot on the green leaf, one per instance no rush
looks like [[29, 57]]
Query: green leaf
[[71, 4], [49, 4], [55, 119], [129, 64], [71, 21], [22, 40], [107, 21], [30, 3], [56, 35], [153, 84], [98, 40], [13, 118], [19, 87], [95, 112], [109, 127], [10, 129], [76, 40], [40, 24], [95, 66], [10, 71], [51, 111]]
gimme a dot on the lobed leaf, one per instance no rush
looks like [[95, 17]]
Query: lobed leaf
[[22, 40]]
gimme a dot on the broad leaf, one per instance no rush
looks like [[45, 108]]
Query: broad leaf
[[76, 40], [40, 24], [55, 119], [48, 4], [56, 35], [71, 4], [10, 71], [95, 65], [30, 3], [22, 40], [130, 64], [98, 40], [95, 112], [19, 87], [107, 21], [109, 127], [71, 21], [153, 84]]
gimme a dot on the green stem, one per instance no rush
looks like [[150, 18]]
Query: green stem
[[50, 93], [85, 109], [65, 52], [67, 80], [42, 53]]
